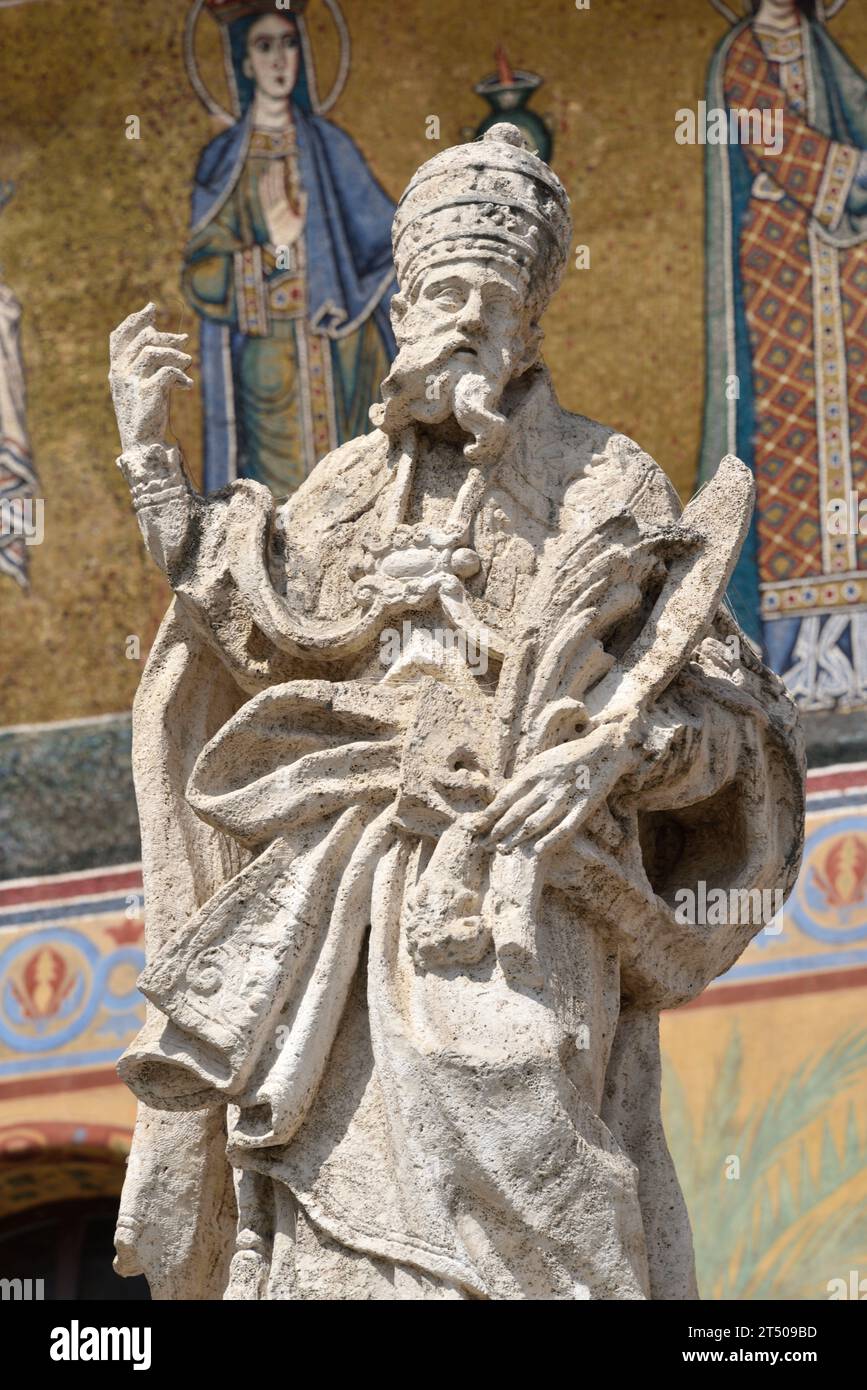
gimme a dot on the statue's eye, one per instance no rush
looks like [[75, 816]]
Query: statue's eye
[[447, 297]]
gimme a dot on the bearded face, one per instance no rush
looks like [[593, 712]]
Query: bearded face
[[463, 332]]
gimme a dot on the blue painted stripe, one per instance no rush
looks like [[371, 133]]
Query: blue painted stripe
[[27, 1066], [796, 965], [56, 912], [849, 801]]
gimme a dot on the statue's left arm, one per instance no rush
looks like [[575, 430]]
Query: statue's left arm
[[689, 766], [716, 803]]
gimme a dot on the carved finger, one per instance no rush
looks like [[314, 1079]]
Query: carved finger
[[564, 830], [130, 351], [529, 780], [150, 359], [537, 823], [133, 324], [517, 814], [171, 376], [149, 337], [500, 804]]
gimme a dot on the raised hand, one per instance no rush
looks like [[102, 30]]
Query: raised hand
[[284, 221], [145, 365]]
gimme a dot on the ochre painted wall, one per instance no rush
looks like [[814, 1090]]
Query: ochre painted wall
[[97, 225]]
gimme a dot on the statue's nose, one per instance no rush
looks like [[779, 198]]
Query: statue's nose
[[470, 317]]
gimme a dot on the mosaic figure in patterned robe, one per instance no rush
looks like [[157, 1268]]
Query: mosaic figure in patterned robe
[[787, 342], [288, 266]]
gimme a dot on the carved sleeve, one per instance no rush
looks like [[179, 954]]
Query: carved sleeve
[[719, 800]]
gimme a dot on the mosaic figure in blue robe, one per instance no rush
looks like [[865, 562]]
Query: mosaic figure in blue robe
[[288, 265]]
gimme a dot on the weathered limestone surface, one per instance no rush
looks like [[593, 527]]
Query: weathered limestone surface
[[422, 758]]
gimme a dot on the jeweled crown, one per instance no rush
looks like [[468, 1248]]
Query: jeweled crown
[[490, 199], [227, 11]]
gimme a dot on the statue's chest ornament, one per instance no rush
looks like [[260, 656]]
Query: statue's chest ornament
[[414, 556], [407, 566]]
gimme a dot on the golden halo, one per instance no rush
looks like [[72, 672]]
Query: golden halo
[[319, 104]]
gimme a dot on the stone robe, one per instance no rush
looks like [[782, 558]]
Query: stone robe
[[396, 1129]]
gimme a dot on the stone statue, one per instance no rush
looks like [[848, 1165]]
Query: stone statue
[[423, 758]]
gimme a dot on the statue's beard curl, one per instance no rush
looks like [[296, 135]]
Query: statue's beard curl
[[428, 389]]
